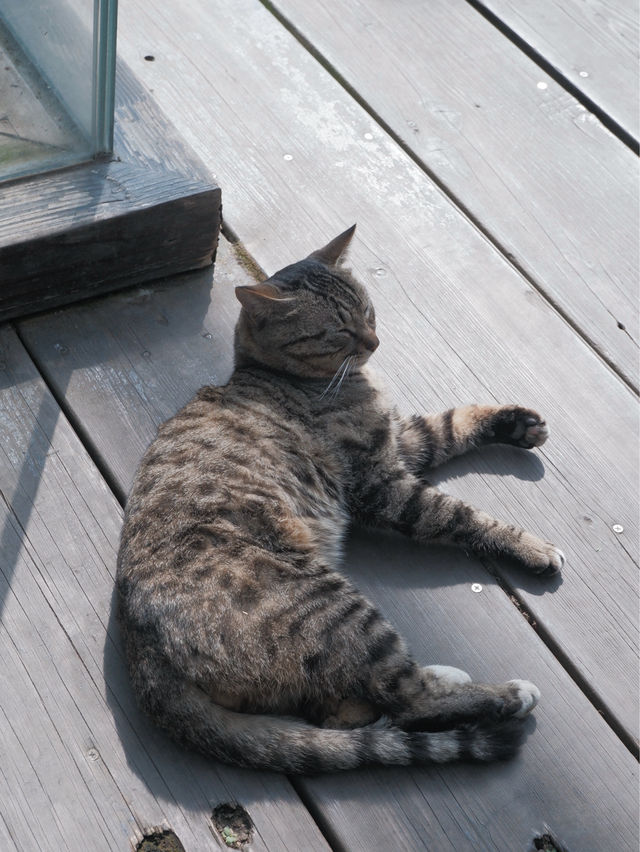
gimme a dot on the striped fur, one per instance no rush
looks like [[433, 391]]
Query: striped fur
[[243, 639]]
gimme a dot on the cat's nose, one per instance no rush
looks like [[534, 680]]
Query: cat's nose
[[371, 341]]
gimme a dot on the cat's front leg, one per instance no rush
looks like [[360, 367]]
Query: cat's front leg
[[403, 502], [430, 440]]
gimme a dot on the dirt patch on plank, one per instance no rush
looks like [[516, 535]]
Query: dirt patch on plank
[[160, 841], [234, 825]]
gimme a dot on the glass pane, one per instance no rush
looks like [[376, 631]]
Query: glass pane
[[57, 72]]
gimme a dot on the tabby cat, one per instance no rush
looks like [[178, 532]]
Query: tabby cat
[[243, 639]]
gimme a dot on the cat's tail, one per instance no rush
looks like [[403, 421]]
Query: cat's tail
[[292, 746]]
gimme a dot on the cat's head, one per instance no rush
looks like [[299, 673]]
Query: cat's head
[[309, 317]]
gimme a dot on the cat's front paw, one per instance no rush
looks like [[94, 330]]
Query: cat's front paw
[[541, 557], [520, 427]]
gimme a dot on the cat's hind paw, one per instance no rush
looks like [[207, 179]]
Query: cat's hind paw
[[527, 694], [449, 674]]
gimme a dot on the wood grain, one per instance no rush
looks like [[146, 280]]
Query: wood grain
[[133, 358], [79, 766], [457, 322], [529, 163], [150, 210], [593, 44]]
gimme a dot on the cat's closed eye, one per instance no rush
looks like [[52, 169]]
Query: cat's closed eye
[[345, 335]]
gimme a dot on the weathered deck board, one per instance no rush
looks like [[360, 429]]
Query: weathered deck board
[[79, 767], [552, 787], [131, 360], [457, 322], [594, 44], [537, 170]]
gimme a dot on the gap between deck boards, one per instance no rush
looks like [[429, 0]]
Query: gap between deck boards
[[564, 660], [455, 198], [67, 410], [553, 71]]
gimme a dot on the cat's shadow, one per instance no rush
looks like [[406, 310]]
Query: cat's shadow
[[445, 603], [492, 460], [437, 566], [389, 560], [171, 773], [495, 460]]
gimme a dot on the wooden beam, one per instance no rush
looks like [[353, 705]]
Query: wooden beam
[[150, 210]]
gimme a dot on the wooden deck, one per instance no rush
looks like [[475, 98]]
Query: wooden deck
[[487, 150]]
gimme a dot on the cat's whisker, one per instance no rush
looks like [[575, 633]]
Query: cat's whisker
[[345, 372], [340, 376], [334, 378]]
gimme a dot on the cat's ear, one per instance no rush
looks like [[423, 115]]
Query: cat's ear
[[259, 298], [333, 252]]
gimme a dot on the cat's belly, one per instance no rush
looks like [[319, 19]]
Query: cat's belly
[[316, 525]]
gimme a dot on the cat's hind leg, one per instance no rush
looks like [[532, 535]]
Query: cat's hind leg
[[442, 697], [431, 698], [528, 693]]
